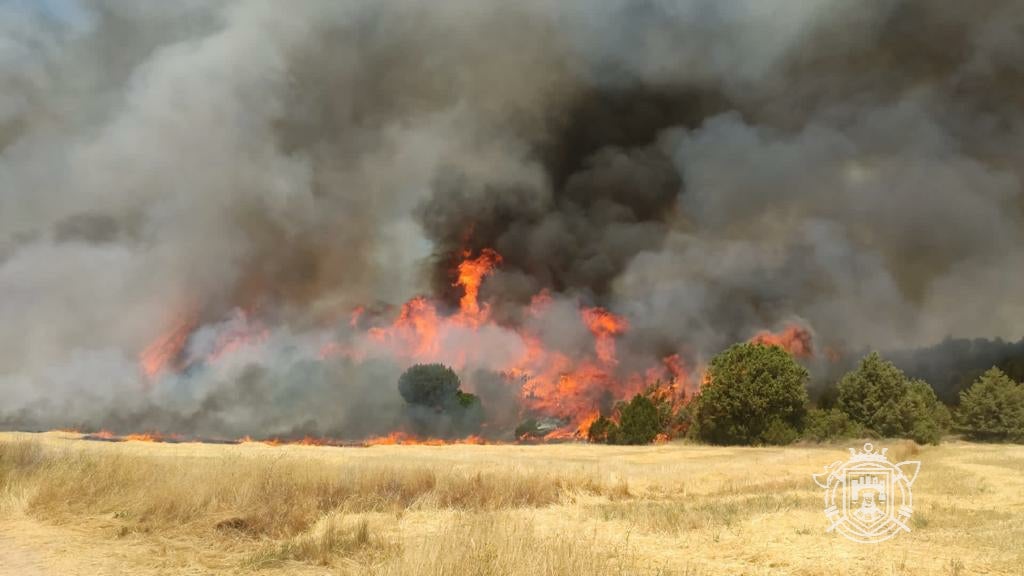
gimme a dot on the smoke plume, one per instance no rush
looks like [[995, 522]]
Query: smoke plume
[[214, 187]]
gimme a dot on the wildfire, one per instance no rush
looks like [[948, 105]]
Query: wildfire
[[584, 425], [166, 349], [415, 330], [403, 439], [795, 339], [356, 315], [471, 276], [604, 326], [151, 437], [566, 388], [166, 352], [241, 333]]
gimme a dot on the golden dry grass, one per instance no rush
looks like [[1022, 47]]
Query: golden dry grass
[[69, 506]]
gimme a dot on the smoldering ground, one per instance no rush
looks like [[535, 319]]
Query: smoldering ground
[[707, 170]]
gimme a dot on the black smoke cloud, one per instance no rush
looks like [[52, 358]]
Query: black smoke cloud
[[607, 193], [706, 169]]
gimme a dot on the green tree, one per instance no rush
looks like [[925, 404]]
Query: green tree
[[639, 421], [755, 394], [435, 405], [880, 397], [993, 408], [927, 419], [434, 385]]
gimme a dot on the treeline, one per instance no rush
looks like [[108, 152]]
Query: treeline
[[756, 394], [953, 365]]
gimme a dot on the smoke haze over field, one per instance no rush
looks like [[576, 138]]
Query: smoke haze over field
[[706, 170]]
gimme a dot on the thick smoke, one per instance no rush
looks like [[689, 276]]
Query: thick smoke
[[705, 169]]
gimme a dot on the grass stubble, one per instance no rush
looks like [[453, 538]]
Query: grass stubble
[[564, 510]]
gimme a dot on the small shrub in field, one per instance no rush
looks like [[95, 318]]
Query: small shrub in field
[[880, 397], [755, 395], [831, 424], [993, 408]]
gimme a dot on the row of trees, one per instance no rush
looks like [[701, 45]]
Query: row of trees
[[756, 394]]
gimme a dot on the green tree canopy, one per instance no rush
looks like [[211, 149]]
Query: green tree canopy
[[993, 408], [755, 394], [880, 397], [434, 385], [435, 406]]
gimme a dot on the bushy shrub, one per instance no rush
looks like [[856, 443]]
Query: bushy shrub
[[992, 409], [755, 394], [436, 406], [603, 431], [434, 385], [467, 414], [658, 411], [639, 422], [831, 424], [780, 433], [880, 397], [673, 411]]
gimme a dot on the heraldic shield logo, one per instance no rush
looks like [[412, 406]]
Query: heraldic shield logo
[[868, 498]]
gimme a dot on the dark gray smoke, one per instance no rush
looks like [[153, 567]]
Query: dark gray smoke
[[706, 169]]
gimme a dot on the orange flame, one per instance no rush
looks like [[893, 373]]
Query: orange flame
[[159, 355], [237, 337], [356, 315], [150, 437], [569, 388], [415, 330], [403, 439], [794, 339], [471, 275], [604, 326]]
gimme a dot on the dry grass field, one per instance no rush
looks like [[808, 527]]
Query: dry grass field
[[70, 506]]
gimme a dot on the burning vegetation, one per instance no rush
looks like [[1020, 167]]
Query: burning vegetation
[[234, 232], [525, 385], [565, 389]]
